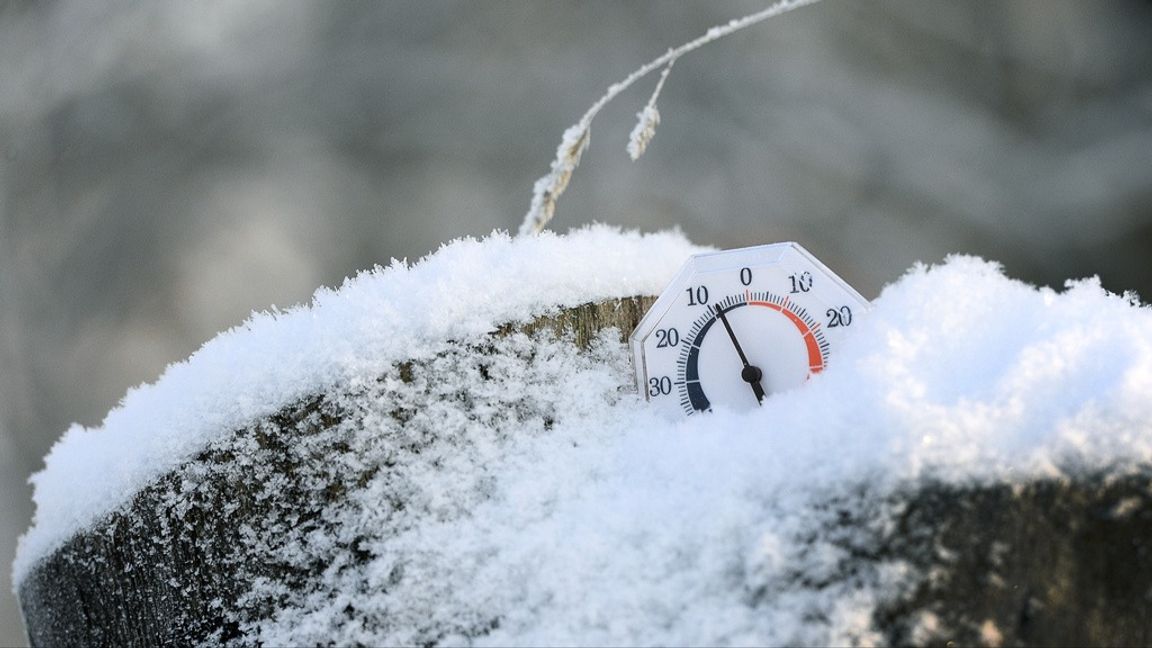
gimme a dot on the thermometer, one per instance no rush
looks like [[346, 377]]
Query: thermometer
[[736, 326]]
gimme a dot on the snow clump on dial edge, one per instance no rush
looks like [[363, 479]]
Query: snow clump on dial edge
[[610, 523]]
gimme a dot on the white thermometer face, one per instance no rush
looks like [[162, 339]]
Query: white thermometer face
[[739, 325]]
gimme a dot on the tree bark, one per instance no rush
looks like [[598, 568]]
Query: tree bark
[[1042, 563]]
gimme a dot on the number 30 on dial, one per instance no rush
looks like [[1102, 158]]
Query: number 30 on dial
[[738, 325]]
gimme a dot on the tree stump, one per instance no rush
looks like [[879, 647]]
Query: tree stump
[[169, 567], [1041, 563]]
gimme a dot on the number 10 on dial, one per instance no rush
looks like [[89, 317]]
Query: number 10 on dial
[[736, 326]]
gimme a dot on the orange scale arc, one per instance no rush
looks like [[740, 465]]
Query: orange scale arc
[[815, 360]]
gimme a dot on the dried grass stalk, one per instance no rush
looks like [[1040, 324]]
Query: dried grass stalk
[[548, 188], [646, 121]]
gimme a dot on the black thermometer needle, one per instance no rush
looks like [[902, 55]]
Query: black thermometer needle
[[749, 374]]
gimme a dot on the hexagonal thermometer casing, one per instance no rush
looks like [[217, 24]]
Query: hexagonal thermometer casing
[[773, 315]]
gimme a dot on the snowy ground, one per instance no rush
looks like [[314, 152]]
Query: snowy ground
[[585, 517]]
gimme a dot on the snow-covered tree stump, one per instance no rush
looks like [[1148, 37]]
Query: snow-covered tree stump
[[389, 466], [1046, 563]]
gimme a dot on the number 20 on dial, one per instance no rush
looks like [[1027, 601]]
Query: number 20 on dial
[[738, 325]]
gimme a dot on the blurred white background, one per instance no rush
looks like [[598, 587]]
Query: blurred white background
[[165, 168]]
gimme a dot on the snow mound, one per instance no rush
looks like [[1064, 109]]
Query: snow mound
[[344, 337], [617, 526]]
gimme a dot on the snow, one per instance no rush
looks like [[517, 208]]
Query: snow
[[466, 289], [530, 497]]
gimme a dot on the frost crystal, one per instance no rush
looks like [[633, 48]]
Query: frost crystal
[[648, 120]]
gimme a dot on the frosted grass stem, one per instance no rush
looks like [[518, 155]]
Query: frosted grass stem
[[548, 188], [647, 120]]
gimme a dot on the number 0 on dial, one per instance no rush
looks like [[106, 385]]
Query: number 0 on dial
[[738, 325]]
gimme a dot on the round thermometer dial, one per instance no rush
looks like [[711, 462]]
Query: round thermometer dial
[[738, 325]]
